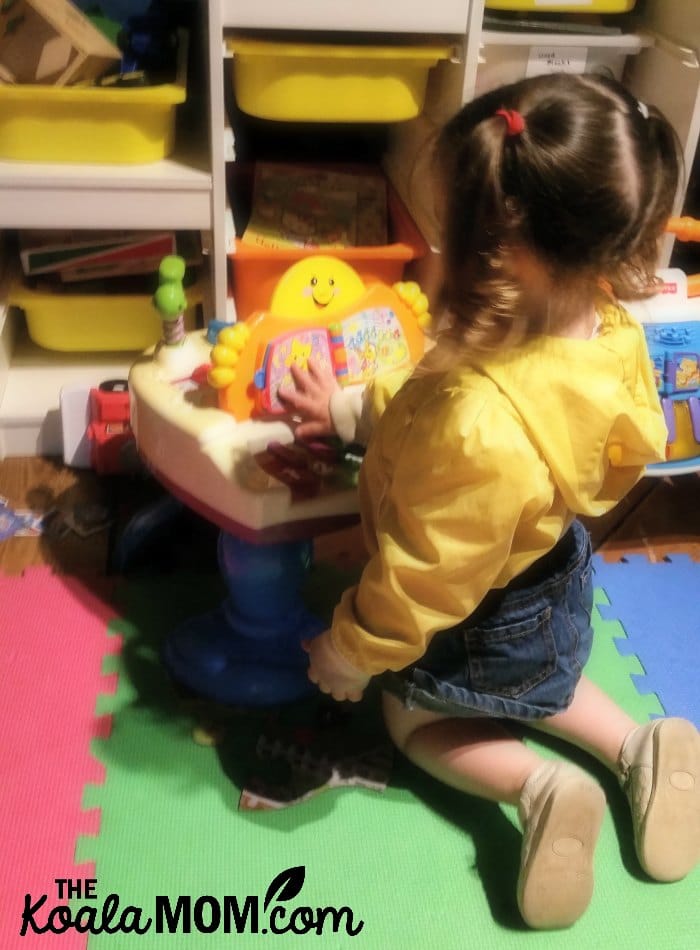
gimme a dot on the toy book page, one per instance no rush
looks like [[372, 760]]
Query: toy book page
[[373, 340], [295, 347]]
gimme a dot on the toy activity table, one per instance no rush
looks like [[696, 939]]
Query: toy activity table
[[231, 456]]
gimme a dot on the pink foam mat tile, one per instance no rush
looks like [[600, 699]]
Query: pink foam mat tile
[[53, 641]]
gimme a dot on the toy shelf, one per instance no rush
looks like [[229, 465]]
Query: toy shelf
[[653, 49], [169, 193], [439, 16], [172, 193], [657, 42], [30, 384]]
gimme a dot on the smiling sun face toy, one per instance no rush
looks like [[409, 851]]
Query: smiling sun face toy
[[321, 307], [315, 286]]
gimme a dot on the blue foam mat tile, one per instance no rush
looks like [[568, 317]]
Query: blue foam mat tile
[[658, 606]]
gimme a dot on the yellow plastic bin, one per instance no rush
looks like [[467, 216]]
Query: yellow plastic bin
[[70, 321], [99, 124], [563, 6], [328, 82]]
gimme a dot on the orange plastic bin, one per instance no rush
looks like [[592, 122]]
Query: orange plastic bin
[[256, 270]]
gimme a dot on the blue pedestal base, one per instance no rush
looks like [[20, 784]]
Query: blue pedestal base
[[247, 651]]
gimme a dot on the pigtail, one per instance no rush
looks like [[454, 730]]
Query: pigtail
[[660, 157], [567, 168], [481, 220]]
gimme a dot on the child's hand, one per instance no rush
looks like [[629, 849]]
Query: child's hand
[[331, 672], [310, 398]]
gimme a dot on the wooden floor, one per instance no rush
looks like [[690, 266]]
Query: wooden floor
[[88, 515]]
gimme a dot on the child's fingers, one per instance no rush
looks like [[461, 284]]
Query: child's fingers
[[297, 373], [314, 370], [299, 401], [303, 378], [321, 375], [290, 397]]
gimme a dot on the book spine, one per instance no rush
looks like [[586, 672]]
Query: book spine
[[338, 353]]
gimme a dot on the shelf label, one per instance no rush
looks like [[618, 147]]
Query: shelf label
[[556, 59]]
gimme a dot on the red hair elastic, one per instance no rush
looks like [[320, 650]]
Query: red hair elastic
[[515, 123]]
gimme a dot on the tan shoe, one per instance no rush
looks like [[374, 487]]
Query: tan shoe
[[660, 773], [561, 811]]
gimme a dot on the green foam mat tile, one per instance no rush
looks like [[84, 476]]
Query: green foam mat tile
[[419, 865]]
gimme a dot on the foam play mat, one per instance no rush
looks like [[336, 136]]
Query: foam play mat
[[298, 825], [54, 647], [657, 606]]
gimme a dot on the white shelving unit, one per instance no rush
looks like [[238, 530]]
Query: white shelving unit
[[367, 16], [171, 193], [30, 421], [175, 193], [659, 46], [189, 191]]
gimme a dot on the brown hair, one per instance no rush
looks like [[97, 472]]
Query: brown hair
[[587, 186]]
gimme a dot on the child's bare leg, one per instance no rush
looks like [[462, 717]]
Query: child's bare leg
[[658, 765], [472, 755], [593, 721], [560, 807]]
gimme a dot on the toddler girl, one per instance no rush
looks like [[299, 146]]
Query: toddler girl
[[536, 405]]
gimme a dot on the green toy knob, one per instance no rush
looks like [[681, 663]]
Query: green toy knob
[[170, 300], [172, 268]]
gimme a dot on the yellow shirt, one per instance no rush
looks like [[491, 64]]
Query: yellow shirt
[[474, 473]]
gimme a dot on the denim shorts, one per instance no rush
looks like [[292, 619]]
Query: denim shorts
[[520, 654]]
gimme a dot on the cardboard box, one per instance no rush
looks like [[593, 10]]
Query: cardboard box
[[51, 42]]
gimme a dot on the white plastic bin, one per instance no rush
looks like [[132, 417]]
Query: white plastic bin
[[507, 57]]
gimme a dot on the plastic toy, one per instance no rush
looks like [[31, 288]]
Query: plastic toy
[[171, 303], [170, 299], [687, 229], [247, 651], [229, 454], [671, 322], [320, 308], [109, 431]]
